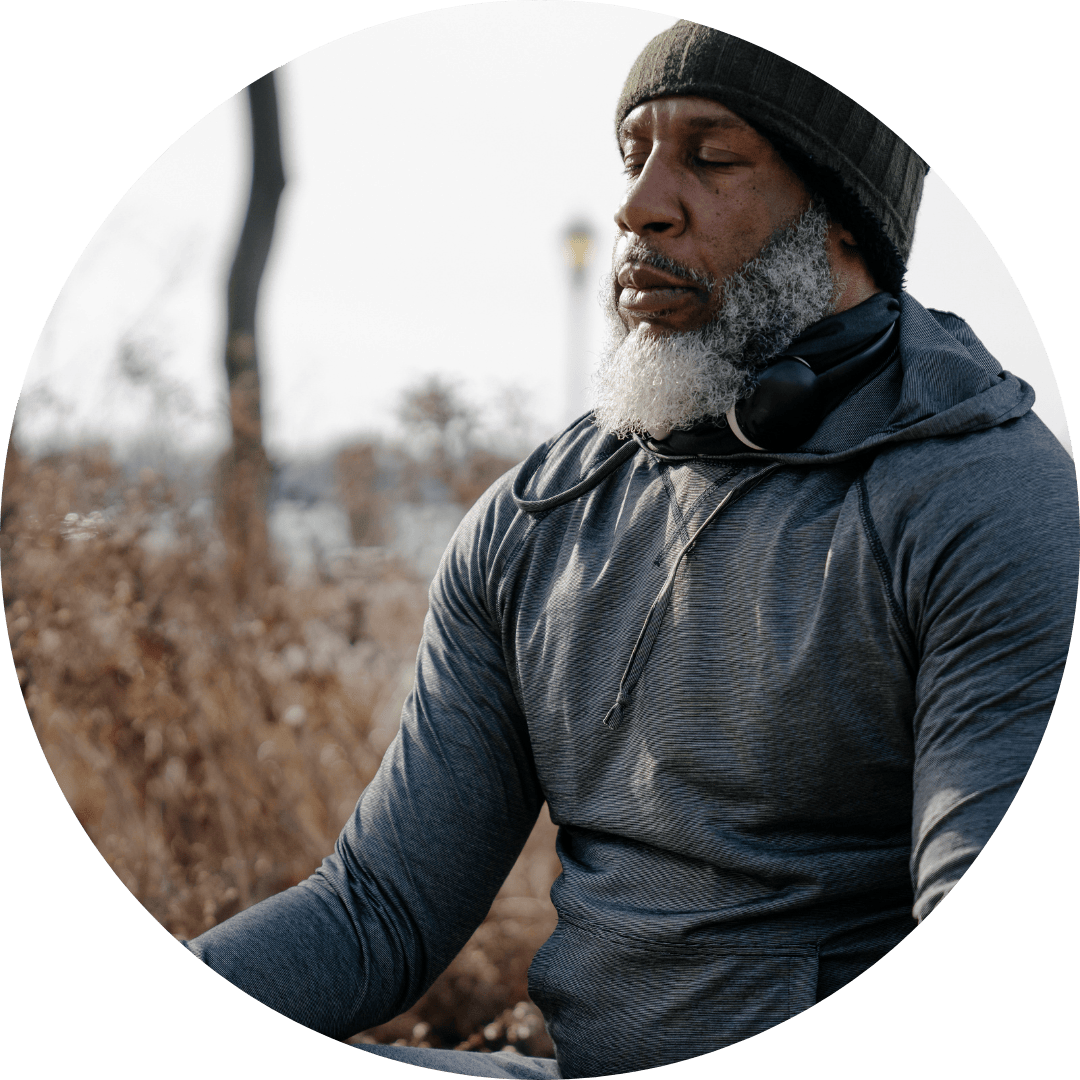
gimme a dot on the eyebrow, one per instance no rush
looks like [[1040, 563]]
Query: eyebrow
[[693, 123]]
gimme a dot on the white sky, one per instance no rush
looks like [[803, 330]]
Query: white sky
[[434, 164]]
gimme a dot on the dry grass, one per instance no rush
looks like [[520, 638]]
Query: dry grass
[[213, 748]]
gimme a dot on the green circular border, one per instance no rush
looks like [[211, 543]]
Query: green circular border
[[93, 94]]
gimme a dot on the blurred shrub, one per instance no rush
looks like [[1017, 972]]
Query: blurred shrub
[[212, 748], [443, 433], [361, 493]]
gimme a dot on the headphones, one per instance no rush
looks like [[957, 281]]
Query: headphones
[[791, 400]]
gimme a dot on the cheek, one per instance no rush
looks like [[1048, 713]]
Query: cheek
[[741, 224], [736, 233]]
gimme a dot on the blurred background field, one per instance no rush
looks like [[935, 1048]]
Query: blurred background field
[[213, 747]]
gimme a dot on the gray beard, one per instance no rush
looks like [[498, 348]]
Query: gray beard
[[648, 382]]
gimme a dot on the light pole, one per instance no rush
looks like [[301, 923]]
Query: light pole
[[578, 249]]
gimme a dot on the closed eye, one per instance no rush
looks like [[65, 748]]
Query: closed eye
[[715, 158]]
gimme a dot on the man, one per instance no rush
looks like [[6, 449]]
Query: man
[[775, 632]]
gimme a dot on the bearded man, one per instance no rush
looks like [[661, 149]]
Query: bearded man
[[775, 632]]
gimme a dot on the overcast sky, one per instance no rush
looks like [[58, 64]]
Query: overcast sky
[[434, 164]]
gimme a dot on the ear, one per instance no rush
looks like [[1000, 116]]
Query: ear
[[845, 236], [854, 279]]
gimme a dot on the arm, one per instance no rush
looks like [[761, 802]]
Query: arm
[[986, 565], [431, 840]]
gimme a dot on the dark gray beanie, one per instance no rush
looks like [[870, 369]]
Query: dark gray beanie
[[870, 180]]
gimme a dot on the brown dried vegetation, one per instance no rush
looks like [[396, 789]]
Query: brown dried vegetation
[[212, 748]]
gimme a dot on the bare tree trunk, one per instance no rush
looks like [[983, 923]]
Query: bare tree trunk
[[244, 476]]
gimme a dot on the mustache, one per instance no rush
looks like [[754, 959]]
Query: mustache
[[639, 252]]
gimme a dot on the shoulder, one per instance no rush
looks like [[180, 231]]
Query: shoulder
[[563, 462], [1015, 460], [493, 527], [1000, 495]]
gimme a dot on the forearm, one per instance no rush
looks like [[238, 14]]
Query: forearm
[[298, 953], [413, 873], [947, 847]]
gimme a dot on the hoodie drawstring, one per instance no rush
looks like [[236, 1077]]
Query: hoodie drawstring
[[539, 506], [644, 645]]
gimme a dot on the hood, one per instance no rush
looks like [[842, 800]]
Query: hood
[[943, 382]]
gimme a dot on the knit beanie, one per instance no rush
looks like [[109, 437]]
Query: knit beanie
[[868, 178]]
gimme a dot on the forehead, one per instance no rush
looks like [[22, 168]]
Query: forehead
[[680, 114]]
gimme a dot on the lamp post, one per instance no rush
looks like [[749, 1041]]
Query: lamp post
[[578, 250]]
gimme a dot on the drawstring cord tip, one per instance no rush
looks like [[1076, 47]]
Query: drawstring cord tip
[[613, 720]]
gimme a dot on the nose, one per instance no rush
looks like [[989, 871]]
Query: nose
[[652, 204]]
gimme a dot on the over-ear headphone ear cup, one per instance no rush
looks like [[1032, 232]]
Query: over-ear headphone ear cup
[[785, 408]]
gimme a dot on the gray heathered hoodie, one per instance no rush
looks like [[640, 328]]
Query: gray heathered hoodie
[[833, 702]]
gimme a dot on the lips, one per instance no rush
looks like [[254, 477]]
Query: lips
[[647, 291], [641, 276]]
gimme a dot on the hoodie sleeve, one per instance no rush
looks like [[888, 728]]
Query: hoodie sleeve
[[430, 841], [984, 564]]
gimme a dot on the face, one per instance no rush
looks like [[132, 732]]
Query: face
[[705, 192]]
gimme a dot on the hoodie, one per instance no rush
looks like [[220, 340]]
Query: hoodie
[[776, 703]]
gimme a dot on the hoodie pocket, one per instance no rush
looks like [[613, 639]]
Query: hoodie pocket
[[614, 1003]]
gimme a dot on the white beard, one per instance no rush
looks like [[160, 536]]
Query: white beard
[[654, 383]]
